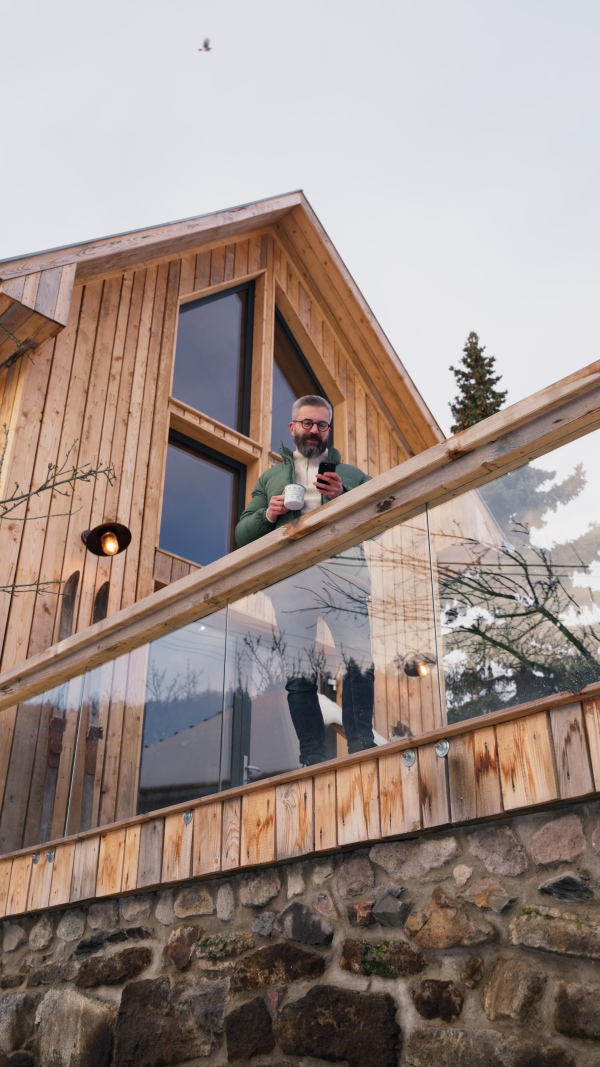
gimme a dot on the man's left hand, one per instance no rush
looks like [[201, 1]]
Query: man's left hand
[[330, 485]]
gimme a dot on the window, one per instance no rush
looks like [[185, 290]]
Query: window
[[292, 377], [203, 498], [214, 355]]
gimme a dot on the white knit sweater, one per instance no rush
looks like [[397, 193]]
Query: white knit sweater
[[306, 473]]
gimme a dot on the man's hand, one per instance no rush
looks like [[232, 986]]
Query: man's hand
[[329, 484], [276, 508]]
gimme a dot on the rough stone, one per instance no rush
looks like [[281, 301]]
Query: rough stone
[[164, 911], [454, 1047], [11, 981], [577, 1010], [387, 959], [511, 989], [249, 1031], [443, 924], [462, 873], [488, 894], [193, 900], [218, 947], [295, 881], [71, 926], [472, 971], [596, 838], [299, 923], [20, 1059], [275, 997], [51, 974], [112, 970], [73, 1030], [389, 910], [134, 909], [262, 923], [275, 965], [14, 937], [570, 886], [17, 1017], [256, 890], [41, 934], [559, 841], [180, 945], [337, 1024], [553, 931], [413, 859], [355, 876], [499, 851], [164, 1021], [321, 871], [361, 914], [98, 940], [225, 903], [323, 903], [437, 1000], [103, 916]]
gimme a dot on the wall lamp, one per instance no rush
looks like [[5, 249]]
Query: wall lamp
[[419, 665], [107, 540]]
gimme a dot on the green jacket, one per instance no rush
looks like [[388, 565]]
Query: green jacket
[[254, 522]]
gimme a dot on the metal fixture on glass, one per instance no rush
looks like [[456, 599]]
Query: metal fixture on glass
[[108, 539], [442, 748], [409, 757], [187, 817]]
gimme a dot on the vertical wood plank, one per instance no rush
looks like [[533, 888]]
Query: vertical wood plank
[[591, 710], [151, 850], [206, 857], [526, 764], [5, 869], [202, 280], [40, 882], [131, 858], [325, 811], [433, 787], [570, 750], [294, 819], [358, 803], [258, 827], [110, 862], [62, 874], [177, 847], [230, 856], [18, 889], [461, 778], [395, 818], [411, 795], [85, 866], [488, 796]]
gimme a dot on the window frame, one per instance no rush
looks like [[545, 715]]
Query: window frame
[[319, 390]]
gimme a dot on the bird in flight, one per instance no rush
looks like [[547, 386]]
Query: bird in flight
[[206, 45]]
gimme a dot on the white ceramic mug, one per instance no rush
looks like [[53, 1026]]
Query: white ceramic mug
[[293, 497]]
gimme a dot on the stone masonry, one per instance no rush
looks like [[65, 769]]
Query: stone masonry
[[477, 947]]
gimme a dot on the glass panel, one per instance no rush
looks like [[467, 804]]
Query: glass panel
[[213, 355], [291, 379], [198, 509], [518, 573], [338, 658]]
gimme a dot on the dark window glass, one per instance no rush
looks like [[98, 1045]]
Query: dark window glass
[[201, 501], [213, 356], [292, 377]]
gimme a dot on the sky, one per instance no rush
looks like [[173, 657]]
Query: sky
[[449, 147]]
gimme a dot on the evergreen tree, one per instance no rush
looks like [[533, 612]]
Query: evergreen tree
[[477, 397]]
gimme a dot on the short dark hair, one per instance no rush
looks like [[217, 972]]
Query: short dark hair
[[313, 402]]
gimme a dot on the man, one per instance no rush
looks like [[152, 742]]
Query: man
[[336, 590]]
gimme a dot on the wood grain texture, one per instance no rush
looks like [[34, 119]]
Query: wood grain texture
[[5, 870], [324, 786], [591, 709], [131, 858], [110, 862], [151, 850], [395, 818], [85, 867], [206, 857], [177, 847], [526, 762], [571, 751], [461, 779], [358, 803], [257, 839], [433, 787], [295, 819], [40, 881], [230, 854], [18, 889], [62, 874], [488, 795]]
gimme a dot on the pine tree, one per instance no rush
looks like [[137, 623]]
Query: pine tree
[[477, 397]]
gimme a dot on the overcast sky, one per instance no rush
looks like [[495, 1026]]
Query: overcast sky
[[449, 147]]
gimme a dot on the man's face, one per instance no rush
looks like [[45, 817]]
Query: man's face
[[312, 442]]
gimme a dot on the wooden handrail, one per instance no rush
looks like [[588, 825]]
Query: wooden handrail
[[562, 412]]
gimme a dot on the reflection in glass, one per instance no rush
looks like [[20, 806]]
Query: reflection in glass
[[213, 355], [518, 571], [292, 378], [200, 503]]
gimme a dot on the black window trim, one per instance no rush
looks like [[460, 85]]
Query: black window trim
[[246, 383], [319, 390], [183, 441]]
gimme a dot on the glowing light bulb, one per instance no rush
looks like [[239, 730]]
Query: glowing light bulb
[[423, 670], [109, 543], [203, 627]]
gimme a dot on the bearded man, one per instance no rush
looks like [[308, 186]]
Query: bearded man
[[337, 590]]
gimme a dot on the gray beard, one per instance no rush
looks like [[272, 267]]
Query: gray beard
[[308, 449]]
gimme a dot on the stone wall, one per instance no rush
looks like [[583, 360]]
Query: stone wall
[[469, 948]]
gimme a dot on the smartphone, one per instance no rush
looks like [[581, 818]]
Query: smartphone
[[327, 467]]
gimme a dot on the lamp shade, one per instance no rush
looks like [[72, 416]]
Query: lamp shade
[[419, 665], [107, 540]]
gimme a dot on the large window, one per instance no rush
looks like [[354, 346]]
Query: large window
[[292, 377], [213, 356], [203, 497]]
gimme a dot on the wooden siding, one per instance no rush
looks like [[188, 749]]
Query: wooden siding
[[510, 765]]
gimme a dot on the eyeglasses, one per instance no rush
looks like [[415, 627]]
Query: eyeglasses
[[308, 424]]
